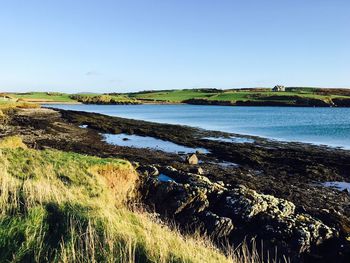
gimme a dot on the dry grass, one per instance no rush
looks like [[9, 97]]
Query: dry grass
[[66, 207], [7, 105], [121, 182], [12, 142]]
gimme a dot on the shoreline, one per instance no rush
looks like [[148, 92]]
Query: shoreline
[[58, 102], [290, 174], [246, 135], [211, 103]]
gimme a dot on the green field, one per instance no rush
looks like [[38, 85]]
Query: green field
[[238, 95], [43, 96], [288, 97], [88, 98]]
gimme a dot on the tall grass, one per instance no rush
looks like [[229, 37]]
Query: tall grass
[[66, 207], [7, 105]]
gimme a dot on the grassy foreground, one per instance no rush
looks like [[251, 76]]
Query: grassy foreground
[[65, 207]]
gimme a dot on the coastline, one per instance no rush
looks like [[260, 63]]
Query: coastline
[[226, 103], [290, 174], [237, 131]]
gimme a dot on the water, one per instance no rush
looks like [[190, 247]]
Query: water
[[230, 139], [149, 142], [329, 126], [341, 186], [225, 164], [165, 178]]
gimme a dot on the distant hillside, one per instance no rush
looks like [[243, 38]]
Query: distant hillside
[[289, 96], [292, 96]]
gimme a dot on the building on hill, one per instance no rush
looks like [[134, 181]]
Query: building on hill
[[279, 88]]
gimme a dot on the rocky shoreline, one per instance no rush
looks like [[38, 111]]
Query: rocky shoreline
[[253, 188], [295, 101]]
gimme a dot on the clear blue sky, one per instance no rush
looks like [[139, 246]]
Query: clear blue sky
[[111, 45]]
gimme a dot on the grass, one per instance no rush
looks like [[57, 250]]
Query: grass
[[172, 96], [7, 105], [43, 97], [49, 97], [12, 142], [176, 96], [66, 207]]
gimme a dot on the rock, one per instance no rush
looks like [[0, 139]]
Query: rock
[[199, 152], [274, 219], [197, 170], [192, 159], [195, 201], [243, 204], [175, 200], [148, 170], [126, 139], [216, 226], [220, 183]]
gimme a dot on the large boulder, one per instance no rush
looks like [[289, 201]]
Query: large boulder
[[192, 159], [273, 219]]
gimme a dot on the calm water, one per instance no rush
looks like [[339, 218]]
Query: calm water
[[149, 142], [330, 126]]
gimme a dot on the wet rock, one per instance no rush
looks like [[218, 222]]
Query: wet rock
[[197, 170], [192, 159], [148, 170], [194, 180], [274, 219], [216, 226], [243, 203], [200, 152], [175, 200]]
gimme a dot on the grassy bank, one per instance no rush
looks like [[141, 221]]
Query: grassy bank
[[65, 207], [6, 106]]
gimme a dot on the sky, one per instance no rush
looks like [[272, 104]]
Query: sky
[[119, 46]]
